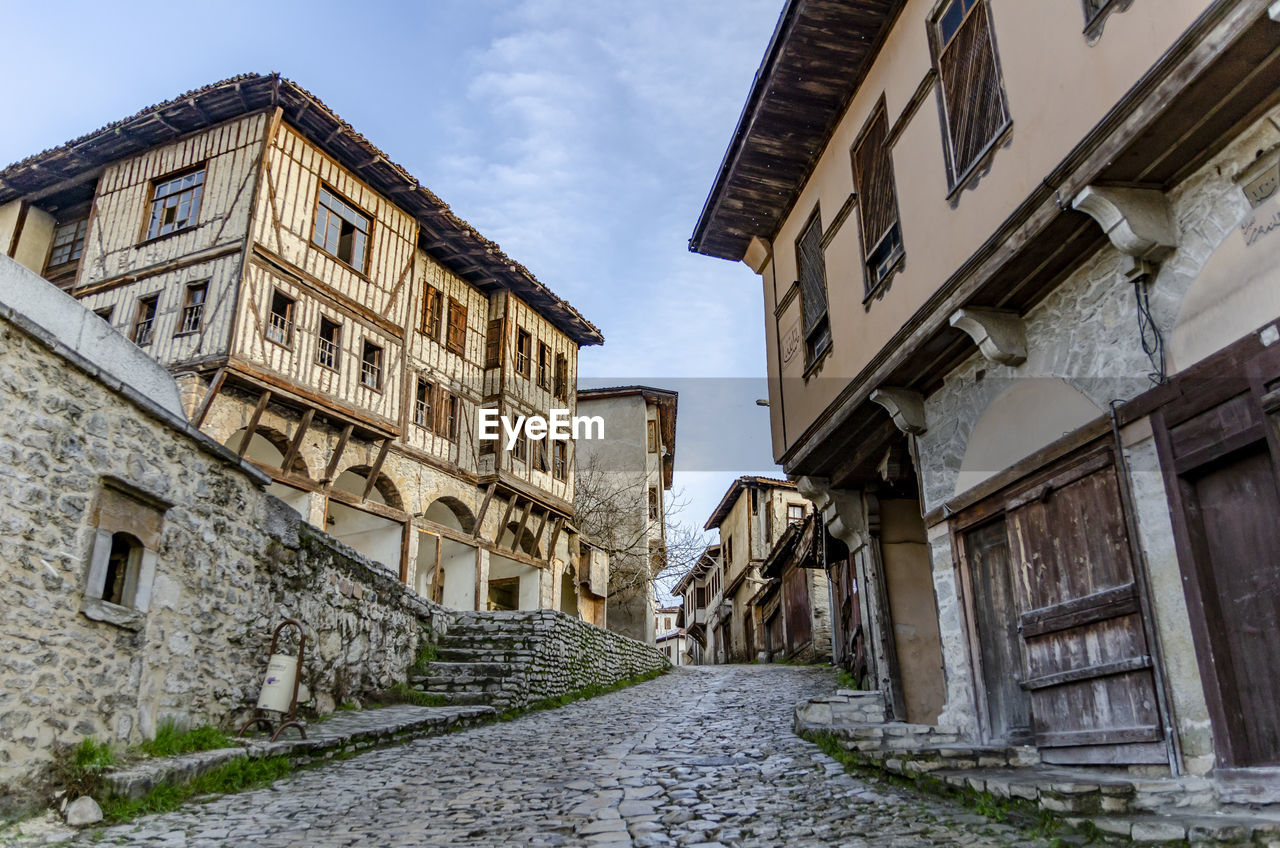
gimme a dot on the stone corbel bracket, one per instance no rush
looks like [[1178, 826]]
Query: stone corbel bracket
[[1000, 335], [1137, 220], [841, 510], [904, 406]]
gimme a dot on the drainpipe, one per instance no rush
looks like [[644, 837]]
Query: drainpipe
[[1164, 695]]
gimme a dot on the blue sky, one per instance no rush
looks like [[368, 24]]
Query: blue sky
[[581, 136]]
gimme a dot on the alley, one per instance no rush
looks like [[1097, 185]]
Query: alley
[[701, 756]]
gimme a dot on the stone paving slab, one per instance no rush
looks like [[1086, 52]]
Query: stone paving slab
[[700, 756]]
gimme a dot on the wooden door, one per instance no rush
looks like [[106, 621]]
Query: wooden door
[[795, 595], [1008, 709], [1220, 448], [1087, 666]]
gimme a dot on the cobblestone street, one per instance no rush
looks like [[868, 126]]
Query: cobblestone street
[[701, 756]]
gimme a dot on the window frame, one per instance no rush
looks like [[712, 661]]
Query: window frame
[[560, 380], [560, 459], [423, 414], [323, 186], [524, 352], [817, 339], [544, 365], [148, 211], [520, 450], [192, 308], [875, 285], [121, 510], [82, 238], [957, 179], [377, 368], [287, 326], [651, 433], [138, 334], [795, 519], [335, 345]]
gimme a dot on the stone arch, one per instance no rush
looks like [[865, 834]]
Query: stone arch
[[354, 479], [450, 512], [1019, 421], [268, 447]]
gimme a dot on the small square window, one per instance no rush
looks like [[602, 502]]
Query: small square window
[[175, 203], [68, 243], [193, 309], [329, 344], [795, 513], [341, 229], [122, 559]]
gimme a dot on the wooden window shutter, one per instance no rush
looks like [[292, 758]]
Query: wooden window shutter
[[457, 341], [973, 97], [562, 376], [813, 274], [431, 304], [873, 170], [493, 344]]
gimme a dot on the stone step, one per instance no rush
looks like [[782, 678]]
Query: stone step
[[457, 670], [482, 655]]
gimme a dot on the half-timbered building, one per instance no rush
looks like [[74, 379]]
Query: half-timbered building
[[1021, 267], [329, 319]]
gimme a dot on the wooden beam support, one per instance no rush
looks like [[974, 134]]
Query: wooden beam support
[[337, 453], [506, 516], [296, 442], [524, 520], [484, 508], [555, 537], [214, 387], [542, 525], [253, 423], [376, 470]]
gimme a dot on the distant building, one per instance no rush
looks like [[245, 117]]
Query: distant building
[[750, 517], [793, 604], [622, 483], [694, 589], [330, 320], [671, 638]]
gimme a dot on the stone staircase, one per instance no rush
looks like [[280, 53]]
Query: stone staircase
[[1124, 806], [480, 660]]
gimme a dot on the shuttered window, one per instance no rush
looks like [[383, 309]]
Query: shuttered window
[[457, 326], [877, 202], [432, 307], [812, 271], [493, 344], [562, 377], [973, 99]]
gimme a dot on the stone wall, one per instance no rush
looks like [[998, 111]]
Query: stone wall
[[230, 561], [551, 654]]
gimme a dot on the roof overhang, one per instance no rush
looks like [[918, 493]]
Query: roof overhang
[[817, 58], [455, 244]]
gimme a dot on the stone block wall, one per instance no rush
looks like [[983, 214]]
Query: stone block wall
[[550, 654], [231, 563]]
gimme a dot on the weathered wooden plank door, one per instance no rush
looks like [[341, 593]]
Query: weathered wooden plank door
[[1087, 665], [795, 594], [1008, 708], [1220, 447]]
